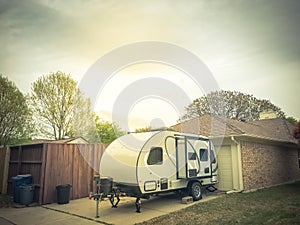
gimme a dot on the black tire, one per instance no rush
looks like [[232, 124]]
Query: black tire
[[195, 190]]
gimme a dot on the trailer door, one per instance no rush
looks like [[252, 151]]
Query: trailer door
[[188, 158], [192, 157], [180, 158]]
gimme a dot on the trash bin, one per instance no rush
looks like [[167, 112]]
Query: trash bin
[[26, 194], [63, 193], [27, 178], [17, 182]]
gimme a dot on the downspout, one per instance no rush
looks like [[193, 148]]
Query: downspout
[[241, 185]]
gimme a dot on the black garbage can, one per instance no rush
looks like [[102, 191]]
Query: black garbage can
[[26, 194], [17, 182], [63, 193]]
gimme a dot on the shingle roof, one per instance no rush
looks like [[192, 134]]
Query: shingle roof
[[76, 140], [70, 140], [276, 129]]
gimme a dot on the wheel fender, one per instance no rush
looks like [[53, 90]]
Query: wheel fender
[[191, 182]]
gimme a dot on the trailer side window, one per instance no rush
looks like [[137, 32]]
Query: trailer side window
[[155, 156], [203, 154], [212, 157], [192, 156]]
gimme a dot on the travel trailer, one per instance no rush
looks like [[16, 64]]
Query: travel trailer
[[143, 164]]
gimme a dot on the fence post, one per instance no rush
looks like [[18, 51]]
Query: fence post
[[5, 171]]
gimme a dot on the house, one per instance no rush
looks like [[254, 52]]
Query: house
[[252, 154]]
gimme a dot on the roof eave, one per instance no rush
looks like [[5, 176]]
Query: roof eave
[[257, 137]]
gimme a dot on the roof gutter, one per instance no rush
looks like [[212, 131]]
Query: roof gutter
[[251, 136]]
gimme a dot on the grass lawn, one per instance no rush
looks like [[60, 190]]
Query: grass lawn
[[276, 205]]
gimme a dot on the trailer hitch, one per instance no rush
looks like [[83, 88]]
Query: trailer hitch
[[99, 195]]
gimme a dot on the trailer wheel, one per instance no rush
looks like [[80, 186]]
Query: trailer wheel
[[195, 191]]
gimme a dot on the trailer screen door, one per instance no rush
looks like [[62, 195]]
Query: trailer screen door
[[180, 158], [192, 157]]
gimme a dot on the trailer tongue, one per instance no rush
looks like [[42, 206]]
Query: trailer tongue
[[105, 189]]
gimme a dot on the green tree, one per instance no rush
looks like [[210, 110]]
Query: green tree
[[60, 107], [143, 129], [15, 115], [230, 104], [107, 132], [149, 128], [292, 120]]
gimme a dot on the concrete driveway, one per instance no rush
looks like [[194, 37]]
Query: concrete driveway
[[83, 211]]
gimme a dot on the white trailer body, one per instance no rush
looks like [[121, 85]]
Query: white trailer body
[[142, 164]]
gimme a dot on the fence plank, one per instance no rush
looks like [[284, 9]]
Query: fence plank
[[4, 164], [42, 178]]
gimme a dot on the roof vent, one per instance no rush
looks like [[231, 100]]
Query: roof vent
[[270, 114]]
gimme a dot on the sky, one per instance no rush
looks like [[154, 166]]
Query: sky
[[248, 46]]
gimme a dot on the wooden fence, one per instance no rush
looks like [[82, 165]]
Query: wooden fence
[[52, 164]]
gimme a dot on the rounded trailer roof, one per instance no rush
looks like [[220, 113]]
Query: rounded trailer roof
[[119, 159], [136, 141]]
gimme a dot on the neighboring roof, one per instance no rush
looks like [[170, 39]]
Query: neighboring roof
[[276, 129], [76, 140]]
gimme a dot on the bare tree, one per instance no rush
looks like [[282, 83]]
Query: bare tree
[[230, 104]]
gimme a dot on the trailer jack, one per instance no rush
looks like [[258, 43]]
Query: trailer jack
[[97, 197], [138, 204], [112, 198]]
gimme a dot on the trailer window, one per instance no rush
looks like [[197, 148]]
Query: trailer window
[[203, 154], [212, 157], [192, 156], [155, 156]]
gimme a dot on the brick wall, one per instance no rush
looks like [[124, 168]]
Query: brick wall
[[266, 165]]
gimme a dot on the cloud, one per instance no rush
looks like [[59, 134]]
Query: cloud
[[45, 36], [239, 40], [34, 35]]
